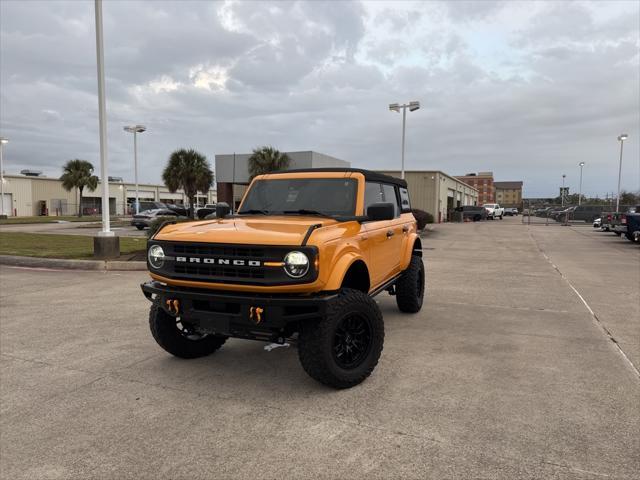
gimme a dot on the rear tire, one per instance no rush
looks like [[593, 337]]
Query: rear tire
[[140, 227], [410, 286], [181, 342], [342, 349]]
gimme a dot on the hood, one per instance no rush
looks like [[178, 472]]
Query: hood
[[252, 230]]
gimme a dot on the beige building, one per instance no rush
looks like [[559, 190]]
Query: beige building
[[509, 194], [436, 192], [37, 195]]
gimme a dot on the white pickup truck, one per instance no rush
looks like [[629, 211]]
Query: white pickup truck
[[494, 211]]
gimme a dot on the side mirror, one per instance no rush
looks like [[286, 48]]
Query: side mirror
[[381, 211], [222, 209]]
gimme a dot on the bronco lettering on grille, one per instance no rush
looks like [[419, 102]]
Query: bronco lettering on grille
[[220, 261]]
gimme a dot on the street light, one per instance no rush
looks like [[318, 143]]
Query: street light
[[3, 140], [621, 138], [581, 164], [396, 107], [135, 129], [562, 191]]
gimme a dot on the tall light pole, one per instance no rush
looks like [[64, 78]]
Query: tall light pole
[[621, 138], [562, 191], [135, 129], [580, 191], [106, 226], [3, 140], [396, 107]]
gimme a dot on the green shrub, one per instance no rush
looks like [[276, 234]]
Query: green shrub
[[422, 217], [158, 222]]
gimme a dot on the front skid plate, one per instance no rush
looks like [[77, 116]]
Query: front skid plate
[[262, 317]]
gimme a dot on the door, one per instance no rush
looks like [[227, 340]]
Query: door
[[7, 205], [385, 237]]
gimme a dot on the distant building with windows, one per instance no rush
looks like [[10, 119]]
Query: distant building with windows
[[34, 194], [509, 194], [483, 182]]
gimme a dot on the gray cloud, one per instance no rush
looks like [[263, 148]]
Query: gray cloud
[[528, 101]]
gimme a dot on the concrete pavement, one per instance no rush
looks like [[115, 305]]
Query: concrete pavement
[[504, 374]]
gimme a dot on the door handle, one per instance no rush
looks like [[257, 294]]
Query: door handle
[[390, 233]]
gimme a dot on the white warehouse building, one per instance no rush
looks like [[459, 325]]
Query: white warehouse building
[[27, 195]]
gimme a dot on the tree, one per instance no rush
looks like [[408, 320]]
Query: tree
[[267, 159], [78, 174], [189, 170]]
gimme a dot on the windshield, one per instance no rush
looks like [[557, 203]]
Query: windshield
[[304, 196]]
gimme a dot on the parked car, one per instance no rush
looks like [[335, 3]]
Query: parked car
[[293, 262], [208, 209], [619, 220], [494, 211], [472, 212], [632, 221], [509, 211], [563, 215], [144, 219], [597, 223], [586, 213]]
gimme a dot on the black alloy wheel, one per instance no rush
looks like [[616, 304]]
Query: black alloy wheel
[[352, 341]]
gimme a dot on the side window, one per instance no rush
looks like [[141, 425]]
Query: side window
[[372, 194], [391, 197], [404, 199]]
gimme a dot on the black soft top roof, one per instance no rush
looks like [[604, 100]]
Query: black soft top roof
[[368, 174]]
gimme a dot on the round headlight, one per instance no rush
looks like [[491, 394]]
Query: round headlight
[[296, 264], [156, 256]]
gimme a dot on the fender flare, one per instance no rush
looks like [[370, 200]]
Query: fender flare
[[414, 244], [341, 268]]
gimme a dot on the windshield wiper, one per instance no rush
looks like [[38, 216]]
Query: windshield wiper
[[305, 211], [254, 211]]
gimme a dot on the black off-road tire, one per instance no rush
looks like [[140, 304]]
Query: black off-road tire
[[618, 233], [316, 340], [410, 286], [166, 333], [140, 227]]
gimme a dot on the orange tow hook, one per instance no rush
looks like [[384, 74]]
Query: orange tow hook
[[173, 306], [255, 314]]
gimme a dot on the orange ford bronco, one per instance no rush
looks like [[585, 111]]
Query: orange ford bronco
[[304, 255]]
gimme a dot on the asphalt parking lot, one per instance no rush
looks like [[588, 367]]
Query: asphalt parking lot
[[523, 363]]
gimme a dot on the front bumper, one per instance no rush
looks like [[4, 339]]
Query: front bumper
[[253, 316]]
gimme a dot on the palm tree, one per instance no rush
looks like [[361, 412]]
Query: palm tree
[[189, 170], [267, 159], [78, 174]]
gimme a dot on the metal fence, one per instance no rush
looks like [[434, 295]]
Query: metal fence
[[553, 214]]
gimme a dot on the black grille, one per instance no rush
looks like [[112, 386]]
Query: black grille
[[212, 271], [219, 250], [219, 271]]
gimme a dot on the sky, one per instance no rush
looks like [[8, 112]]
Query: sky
[[524, 89]]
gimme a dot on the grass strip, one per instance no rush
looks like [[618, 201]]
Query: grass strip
[[59, 246]]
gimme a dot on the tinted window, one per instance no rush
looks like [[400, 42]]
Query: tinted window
[[372, 194], [332, 196], [390, 196], [404, 199]]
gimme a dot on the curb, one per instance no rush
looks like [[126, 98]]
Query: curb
[[67, 264]]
